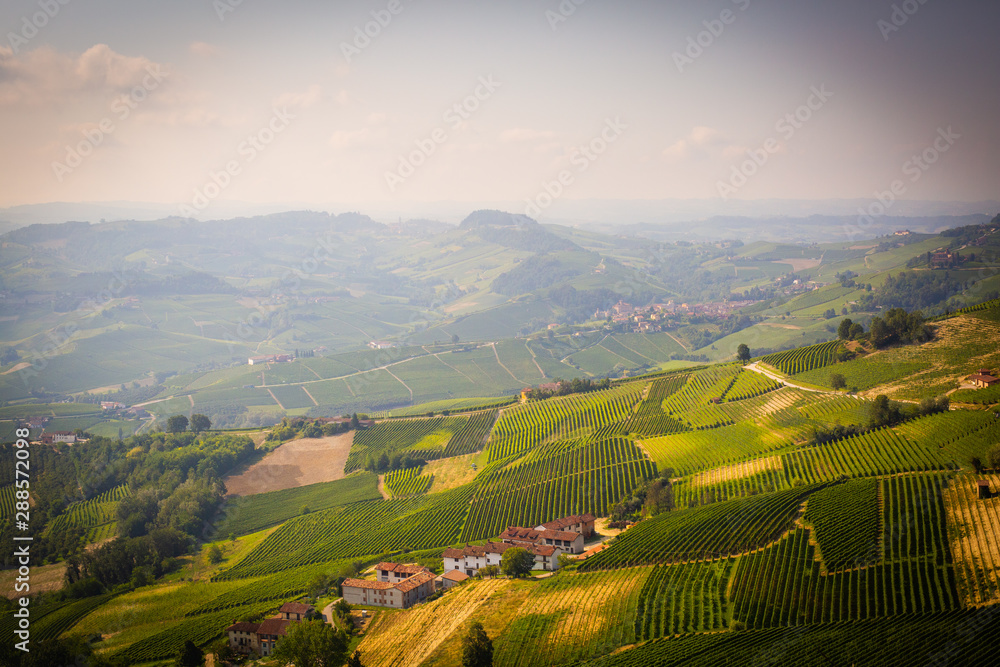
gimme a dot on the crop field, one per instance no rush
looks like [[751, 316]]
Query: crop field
[[364, 528], [92, 514], [750, 385], [522, 426], [803, 359], [248, 514], [734, 472], [708, 532], [572, 617], [425, 438], [407, 482], [649, 419], [985, 396], [914, 641], [452, 404], [973, 525], [694, 451], [701, 388], [685, 598], [860, 374], [586, 477], [847, 523], [7, 500], [882, 452]]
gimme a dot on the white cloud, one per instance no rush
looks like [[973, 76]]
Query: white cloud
[[44, 76], [308, 98], [522, 135], [699, 139], [203, 49]]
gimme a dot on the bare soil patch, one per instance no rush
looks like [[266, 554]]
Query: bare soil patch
[[296, 463]]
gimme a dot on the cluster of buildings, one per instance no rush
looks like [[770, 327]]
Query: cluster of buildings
[[984, 378], [648, 319], [402, 585], [270, 359], [261, 638]]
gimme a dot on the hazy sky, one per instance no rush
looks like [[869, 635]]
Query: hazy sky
[[145, 100]]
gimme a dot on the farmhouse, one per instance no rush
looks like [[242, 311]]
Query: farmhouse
[[983, 380], [112, 405], [381, 345], [243, 637], [59, 436], [579, 523], [398, 586], [270, 358], [472, 558], [296, 611], [270, 631], [562, 541], [261, 638], [449, 579]]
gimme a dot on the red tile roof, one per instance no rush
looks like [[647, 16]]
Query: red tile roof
[[559, 524], [408, 569], [455, 575], [414, 582], [530, 535], [296, 608], [368, 583], [243, 626], [273, 626], [543, 550], [477, 550]]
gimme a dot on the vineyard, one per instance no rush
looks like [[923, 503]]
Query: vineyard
[[847, 523], [649, 418], [720, 529], [423, 438], [803, 359], [359, 529], [7, 502], [701, 388], [956, 637], [691, 452], [571, 618], [679, 599], [248, 514], [523, 426], [407, 482], [973, 525], [588, 477], [96, 516], [750, 385]]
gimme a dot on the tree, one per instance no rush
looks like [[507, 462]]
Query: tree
[[517, 562], [477, 647], [993, 457], [214, 554], [312, 644], [844, 330], [200, 423], [355, 660], [830, 313], [355, 423], [838, 381], [190, 655], [177, 424], [454, 338], [489, 571], [977, 464], [743, 352], [856, 332]]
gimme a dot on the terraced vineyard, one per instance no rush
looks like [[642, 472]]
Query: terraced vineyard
[[407, 482], [649, 418], [679, 599], [7, 501], [973, 524], [750, 385], [529, 424], [423, 438], [586, 477], [95, 516], [701, 388], [847, 523], [691, 452], [571, 618], [248, 514], [708, 532], [472, 437], [882, 452], [803, 359], [359, 529]]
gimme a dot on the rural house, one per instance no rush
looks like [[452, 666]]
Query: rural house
[[399, 586], [579, 523], [270, 631], [983, 380], [243, 638], [67, 437], [449, 579], [562, 541], [296, 611]]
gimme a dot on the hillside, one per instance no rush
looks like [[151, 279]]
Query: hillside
[[755, 514]]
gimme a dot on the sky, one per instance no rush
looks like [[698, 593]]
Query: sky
[[194, 103]]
